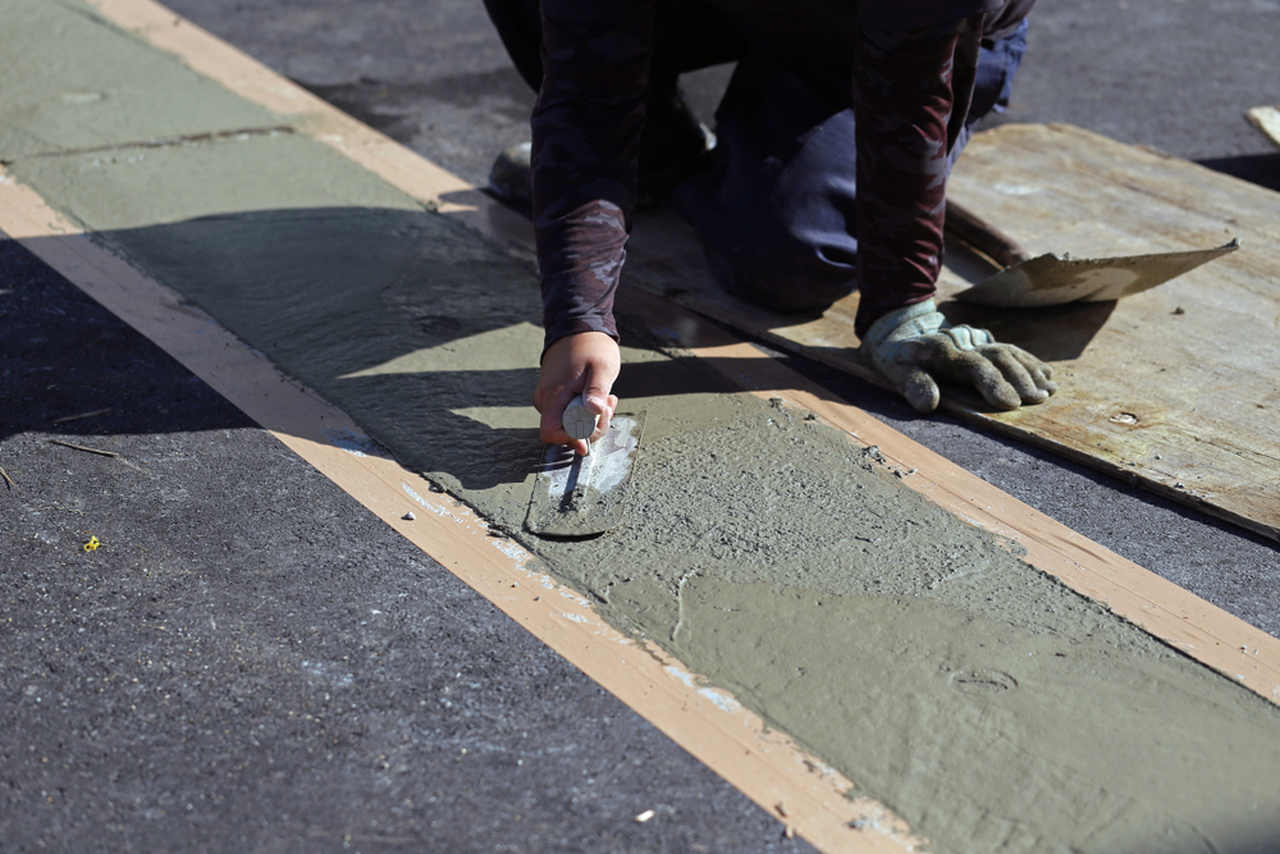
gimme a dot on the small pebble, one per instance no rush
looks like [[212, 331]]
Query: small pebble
[[408, 517]]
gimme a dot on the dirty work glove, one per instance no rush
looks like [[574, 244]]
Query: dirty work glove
[[914, 346]]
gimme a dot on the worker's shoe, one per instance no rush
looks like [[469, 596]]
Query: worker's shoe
[[511, 178], [674, 146]]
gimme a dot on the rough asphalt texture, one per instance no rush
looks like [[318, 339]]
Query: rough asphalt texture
[[252, 661]]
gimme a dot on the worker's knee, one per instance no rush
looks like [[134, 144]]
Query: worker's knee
[[788, 273]]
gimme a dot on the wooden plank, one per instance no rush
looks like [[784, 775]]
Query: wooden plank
[[1175, 388], [1267, 120]]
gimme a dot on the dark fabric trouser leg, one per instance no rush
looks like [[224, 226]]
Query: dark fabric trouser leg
[[776, 213], [776, 210], [692, 36]]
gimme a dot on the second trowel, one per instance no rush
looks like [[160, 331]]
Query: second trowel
[[578, 496], [1046, 280]]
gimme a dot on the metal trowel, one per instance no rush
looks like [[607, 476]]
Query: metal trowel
[[1049, 280], [578, 496]]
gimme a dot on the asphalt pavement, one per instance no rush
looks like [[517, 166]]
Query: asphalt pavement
[[251, 660]]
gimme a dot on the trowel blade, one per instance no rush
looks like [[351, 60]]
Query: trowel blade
[[579, 496], [1050, 280]]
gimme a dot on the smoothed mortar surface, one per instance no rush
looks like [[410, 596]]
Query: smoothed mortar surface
[[101, 88], [770, 553]]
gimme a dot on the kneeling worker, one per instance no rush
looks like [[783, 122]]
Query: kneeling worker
[[834, 142]]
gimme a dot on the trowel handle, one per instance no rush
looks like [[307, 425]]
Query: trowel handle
[[579, 421], [983, 236]]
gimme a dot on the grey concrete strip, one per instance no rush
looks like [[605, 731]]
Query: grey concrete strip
[[133, 189], [53, 101]]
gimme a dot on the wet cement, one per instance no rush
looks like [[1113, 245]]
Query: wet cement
[[990, 706], [101, 87]]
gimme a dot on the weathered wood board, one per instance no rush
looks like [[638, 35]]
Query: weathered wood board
[[1177, 388], [1267, 120]]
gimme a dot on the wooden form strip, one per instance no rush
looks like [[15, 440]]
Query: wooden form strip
[[795, 786], [1267, 120], [1216, 638]]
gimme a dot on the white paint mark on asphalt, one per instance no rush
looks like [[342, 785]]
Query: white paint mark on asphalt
[[328, 673]]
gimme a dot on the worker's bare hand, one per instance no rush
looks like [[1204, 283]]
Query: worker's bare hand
[[587, 361], [914, 347]]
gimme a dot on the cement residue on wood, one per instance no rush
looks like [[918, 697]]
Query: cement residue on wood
[[987, 704]]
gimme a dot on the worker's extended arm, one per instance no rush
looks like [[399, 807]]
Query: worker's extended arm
[[586, 127], [909, 101]]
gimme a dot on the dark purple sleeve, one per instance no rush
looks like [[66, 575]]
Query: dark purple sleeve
[[586, 125], [903, 101]]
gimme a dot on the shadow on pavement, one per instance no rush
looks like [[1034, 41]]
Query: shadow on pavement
[[406, 320]]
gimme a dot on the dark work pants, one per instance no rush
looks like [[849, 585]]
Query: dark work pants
[[774, 208]]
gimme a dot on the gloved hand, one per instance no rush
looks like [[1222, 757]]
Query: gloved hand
[[914, 346]]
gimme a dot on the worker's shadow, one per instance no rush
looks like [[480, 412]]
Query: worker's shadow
[[409, 322]]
